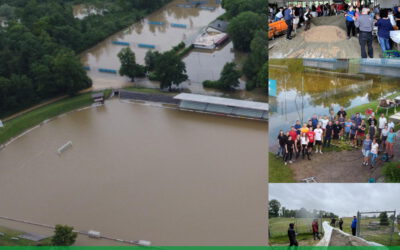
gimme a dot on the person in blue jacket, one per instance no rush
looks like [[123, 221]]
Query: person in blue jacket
[[288, 16], [384, 27], [351, 28], [354, 226]]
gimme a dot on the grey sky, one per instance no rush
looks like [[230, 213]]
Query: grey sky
[[341, 199]]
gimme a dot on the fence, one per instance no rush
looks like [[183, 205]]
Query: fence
[[380, 227]]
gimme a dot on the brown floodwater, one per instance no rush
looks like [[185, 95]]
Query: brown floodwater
[[138, 171], [201, 65]]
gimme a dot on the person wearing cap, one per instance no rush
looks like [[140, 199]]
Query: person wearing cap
[[365, 23]]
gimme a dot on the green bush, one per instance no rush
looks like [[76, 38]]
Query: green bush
[[391, 171], [212, 84], [250, 85], [152, 76]]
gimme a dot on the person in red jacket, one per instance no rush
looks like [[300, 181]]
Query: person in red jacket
[[315, 229], [293, 133], [311, 140]]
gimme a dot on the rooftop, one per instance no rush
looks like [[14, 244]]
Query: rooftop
[[219, 25], [223, 101]]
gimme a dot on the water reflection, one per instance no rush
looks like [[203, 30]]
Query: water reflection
[[303, 91]]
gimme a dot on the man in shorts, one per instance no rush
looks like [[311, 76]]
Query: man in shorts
[[318, 138], [328, 134], [366, 150]]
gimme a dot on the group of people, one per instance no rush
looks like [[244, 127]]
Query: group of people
[[361, 21], [319, 132], [316, 232]]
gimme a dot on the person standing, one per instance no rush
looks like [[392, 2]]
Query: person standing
[[361, 133], [397, 17], [347, 129], [384, 28], [382, 123], [341, 224], [311, 140], [372, 130], [365, 23], [391, 138], [353, 134], [354, 226], [288, 150], [315, 229], [282, 141], [384, 134], [318, 139], [288, 16], [304, 145], [366, 150], [374, 152], [342, 112], [307, 19], [337, 128], [328, 134], [350, 16], [292, 235]]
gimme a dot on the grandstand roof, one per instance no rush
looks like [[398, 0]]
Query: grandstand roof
[[222, 101]]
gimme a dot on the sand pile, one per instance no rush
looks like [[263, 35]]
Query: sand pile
[[338, 21], [325, 34]]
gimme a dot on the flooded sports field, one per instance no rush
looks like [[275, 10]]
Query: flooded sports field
[[156, 30], [304, 90], [140, 172]]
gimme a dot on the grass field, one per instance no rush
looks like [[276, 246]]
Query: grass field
[[278, 231], [278, 172], [30, 119], [6, 239]]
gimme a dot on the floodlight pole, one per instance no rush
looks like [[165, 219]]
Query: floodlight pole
[[358, 224], [394, 219]]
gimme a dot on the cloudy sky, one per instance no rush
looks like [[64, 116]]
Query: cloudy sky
[[341, 199]]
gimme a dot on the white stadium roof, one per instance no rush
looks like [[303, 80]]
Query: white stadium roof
[[222, 101]]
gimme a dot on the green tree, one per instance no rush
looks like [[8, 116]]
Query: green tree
[[383, 218], [230, 76], [170, 69], [242, 29], [68, 72], [150, 59], [64, 236], [274, 207], [258, 56], [129, 67]]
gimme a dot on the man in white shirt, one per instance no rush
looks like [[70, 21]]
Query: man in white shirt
[[318, 138], [382, 123]]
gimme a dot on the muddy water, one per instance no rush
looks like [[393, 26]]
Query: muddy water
[[200, 64], [300, 95], [141, 172], [164, 37]]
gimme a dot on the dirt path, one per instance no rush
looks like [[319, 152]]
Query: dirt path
[[344, 166], [327, 38]]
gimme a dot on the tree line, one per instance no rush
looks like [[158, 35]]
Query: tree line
[[277, 210], [39, 47]]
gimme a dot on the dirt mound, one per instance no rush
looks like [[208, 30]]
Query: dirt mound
[[338, 21], [324, 34]]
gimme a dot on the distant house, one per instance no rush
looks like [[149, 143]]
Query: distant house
[[218, 26], [213, 36]]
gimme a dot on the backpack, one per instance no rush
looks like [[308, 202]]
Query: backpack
[[385, 157]]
